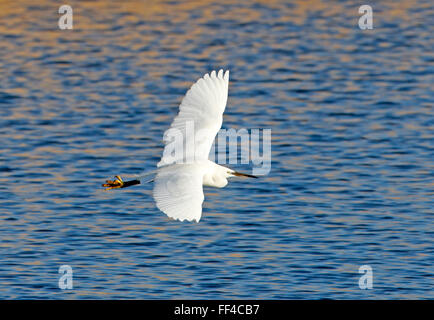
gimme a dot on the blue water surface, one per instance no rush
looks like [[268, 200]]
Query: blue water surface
[[351, 180]]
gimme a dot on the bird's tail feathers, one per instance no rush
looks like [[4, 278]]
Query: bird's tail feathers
[[144, 175]]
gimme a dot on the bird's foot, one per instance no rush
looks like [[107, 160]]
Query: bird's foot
[[117, 183]]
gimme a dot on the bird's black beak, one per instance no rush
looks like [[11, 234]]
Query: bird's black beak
[[239, 174]]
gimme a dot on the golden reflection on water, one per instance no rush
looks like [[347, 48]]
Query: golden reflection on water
[[93, 21]]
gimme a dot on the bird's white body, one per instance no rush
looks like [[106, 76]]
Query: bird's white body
[[178, 188], [179, 179], [178, 185]]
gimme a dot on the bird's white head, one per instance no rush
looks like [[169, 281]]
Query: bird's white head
[[217, 176]]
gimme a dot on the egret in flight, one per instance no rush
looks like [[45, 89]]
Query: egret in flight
[[179, 179]]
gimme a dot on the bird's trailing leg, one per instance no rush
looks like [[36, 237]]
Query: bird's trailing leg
[[119, 183]]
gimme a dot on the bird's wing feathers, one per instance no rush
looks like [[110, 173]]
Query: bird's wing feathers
[[201, 110], [178, 192]]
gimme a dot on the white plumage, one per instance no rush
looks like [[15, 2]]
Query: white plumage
[[178, 191], [178, 184], [178, 188], [203, 106]]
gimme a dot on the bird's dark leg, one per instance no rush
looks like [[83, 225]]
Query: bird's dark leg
[[119, 183]]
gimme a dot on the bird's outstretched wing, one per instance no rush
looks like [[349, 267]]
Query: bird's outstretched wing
[[178, 191], [200, 117]]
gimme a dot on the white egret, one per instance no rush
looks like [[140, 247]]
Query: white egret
[[179, 179]]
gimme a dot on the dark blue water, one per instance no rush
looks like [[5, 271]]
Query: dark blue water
[[351, 180]]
